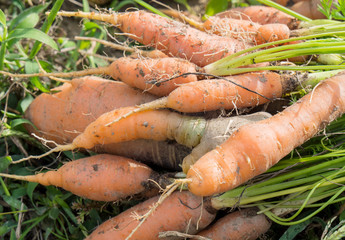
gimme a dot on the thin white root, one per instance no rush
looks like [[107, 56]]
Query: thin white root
[[58, 148]]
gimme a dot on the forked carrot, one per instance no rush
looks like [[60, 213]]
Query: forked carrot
[[171, 37], [255, 147], [99, 177]]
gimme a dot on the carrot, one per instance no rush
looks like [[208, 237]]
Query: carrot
[[245, 90], [242, 224], [260, 14], [171, 37], [137, 73], [245, 30], [63, 115], [99, 177], [181, 211], [255, 147]]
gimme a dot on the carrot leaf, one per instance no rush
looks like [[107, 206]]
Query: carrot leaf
[[32, 33]]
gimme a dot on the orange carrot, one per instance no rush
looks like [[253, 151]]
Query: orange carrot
[[255, 147], [245, 90], [181, 211], [260, 14], [101, 177], [171, 37], [242, 224], [137, 73]]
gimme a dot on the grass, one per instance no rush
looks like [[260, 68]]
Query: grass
[[310, 178]]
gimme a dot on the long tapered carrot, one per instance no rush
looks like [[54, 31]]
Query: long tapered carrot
[[242, 224], [102, 177], [169, 36], [181, 211], [137, 73], [255, 147]]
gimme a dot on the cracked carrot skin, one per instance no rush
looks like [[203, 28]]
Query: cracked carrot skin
[[181, 211], [99, 177], [171, 37], [255, 147]]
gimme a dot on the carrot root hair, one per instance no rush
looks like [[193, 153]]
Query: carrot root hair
[[58, 148]]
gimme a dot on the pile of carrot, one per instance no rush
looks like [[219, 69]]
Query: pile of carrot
[[163, 113]]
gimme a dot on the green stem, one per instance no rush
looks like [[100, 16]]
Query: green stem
[[220, 66], [3, 48], [330, 201], [285, 68]]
